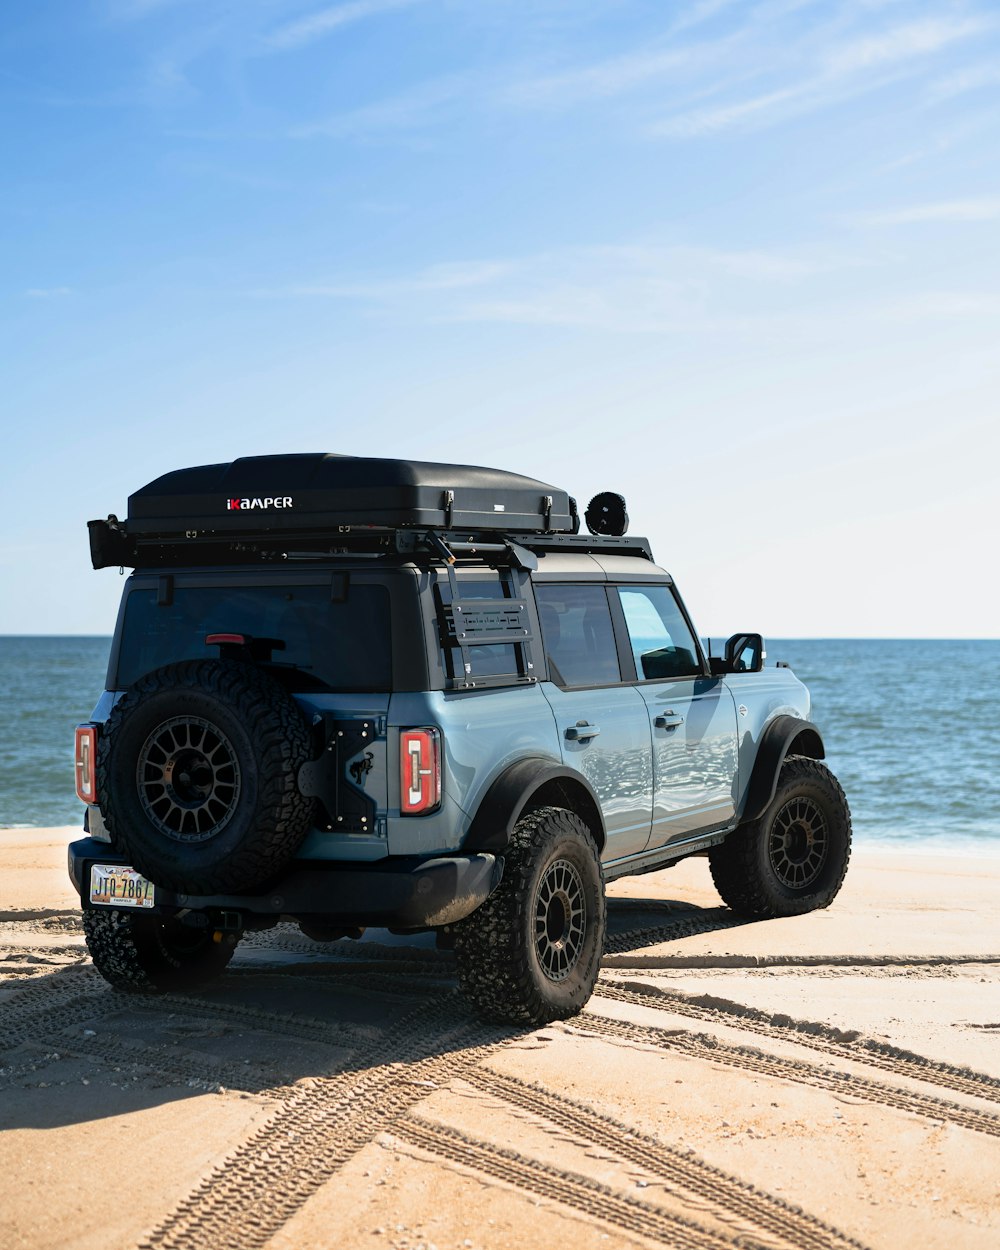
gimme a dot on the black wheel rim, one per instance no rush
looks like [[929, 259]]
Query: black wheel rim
[[798, 843], [188, 779], [560, 919]]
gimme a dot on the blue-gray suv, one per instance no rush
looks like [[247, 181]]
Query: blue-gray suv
[[350, 692]]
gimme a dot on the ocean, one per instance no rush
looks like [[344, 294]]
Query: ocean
[[910, 730]]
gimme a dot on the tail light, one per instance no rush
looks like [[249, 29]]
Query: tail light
[[419, 771], [85, 757]]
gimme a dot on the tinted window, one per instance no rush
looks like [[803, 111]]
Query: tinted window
[[661, 641], [335, 646], [578, 635]]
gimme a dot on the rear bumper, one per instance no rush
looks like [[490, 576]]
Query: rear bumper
[[398, 892]]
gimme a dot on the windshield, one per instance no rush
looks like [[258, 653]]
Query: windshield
[[328, 644]]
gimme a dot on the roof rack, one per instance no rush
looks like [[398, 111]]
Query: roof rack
[[111, 545], [317, 506]]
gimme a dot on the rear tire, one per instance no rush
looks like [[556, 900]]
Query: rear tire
[[146, 955], [197, 770], [531, 953], [792, 859]]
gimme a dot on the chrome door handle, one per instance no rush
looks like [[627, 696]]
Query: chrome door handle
[[668, 721], [581, 731]]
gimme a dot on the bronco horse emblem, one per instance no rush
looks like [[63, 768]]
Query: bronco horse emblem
[[362, 766]]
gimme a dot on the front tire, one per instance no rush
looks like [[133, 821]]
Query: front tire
[[531, 953], [792, 859], [146, 955]]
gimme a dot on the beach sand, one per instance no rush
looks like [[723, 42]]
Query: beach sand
[[822, 1082]]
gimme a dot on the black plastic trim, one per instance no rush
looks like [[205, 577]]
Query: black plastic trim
[[510, 794], [664, 856], [405, 892], [775, 743]]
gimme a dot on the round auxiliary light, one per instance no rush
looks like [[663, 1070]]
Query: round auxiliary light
[[606, 514]]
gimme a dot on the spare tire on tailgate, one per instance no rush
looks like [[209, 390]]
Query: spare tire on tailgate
[[196, 773]]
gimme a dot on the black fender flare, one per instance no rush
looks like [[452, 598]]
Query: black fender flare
[[536, 782], [785, 735]]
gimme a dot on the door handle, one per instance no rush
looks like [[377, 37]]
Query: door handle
[[668, 720], [581, 731]]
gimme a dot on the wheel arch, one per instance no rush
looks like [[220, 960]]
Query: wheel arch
[[523, 787], [784, 736]]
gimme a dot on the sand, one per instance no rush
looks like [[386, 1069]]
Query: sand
[[824, 1082]]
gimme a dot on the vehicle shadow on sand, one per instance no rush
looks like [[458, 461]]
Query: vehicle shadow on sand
[[637, 923], [288, 1011], [270, 1025]]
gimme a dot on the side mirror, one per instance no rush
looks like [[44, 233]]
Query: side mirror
[[745, 653]]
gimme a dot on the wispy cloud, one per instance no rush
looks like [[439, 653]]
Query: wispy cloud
[[446, 277], [666, 58], [135, 10], [648, 289], [606, 78], [717, 66], [940, 305], [622, 289], [901, 43], [848, 69], [983, 208], [322, 23], [722, 117], [971, 78], [407, 111]]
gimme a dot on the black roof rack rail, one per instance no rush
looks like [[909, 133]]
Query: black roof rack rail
[[112, 545]]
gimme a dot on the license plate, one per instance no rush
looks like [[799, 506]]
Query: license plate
[[111, 885]]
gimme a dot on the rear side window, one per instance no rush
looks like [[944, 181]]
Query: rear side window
[[578, 635], [495, 613], [328, 645]]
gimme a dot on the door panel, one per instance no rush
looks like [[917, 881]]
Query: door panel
[[692, 717], [617, 761], [603, 725], [694, 762]]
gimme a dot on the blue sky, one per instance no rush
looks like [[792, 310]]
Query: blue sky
[[739, 261]]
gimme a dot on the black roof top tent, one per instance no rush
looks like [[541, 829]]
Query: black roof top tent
[[328, 491], [259, 506]]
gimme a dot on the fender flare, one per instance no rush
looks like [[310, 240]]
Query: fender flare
[[510, 793], [785, 735]]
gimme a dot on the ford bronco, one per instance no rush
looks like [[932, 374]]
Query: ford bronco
[[349, 692]]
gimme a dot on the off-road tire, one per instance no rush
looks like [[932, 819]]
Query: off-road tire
[[531, 953], [793, 858], [146, 955], [241, 814]]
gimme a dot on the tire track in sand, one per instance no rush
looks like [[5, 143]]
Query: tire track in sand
[[64, 999], [322, 1124], [711, 1050], [681, 1173], [808, 1033], [583, 1195]]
